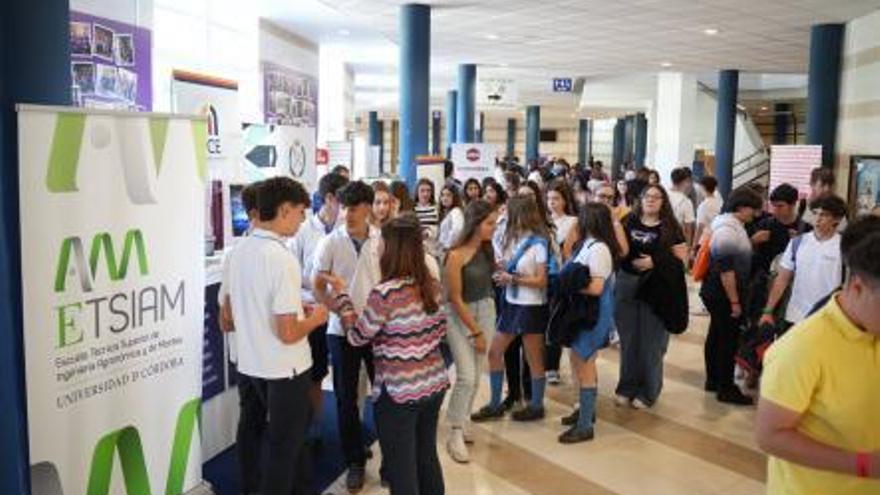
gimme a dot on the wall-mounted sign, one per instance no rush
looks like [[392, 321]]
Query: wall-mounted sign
[[323, 157], [563, 85], [497, 92]]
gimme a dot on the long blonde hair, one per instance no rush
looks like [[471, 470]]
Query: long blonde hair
[[524, 217]]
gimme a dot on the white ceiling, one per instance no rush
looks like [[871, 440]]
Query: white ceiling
[[600, 40]]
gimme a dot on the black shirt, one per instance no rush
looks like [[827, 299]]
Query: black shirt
[[644, 239], [780, 235]]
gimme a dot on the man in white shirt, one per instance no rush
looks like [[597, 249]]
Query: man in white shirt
[[303, 246], [350, 253], [273, 356], [681, 204], [812, 260]]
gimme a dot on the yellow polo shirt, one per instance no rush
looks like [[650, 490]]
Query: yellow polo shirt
[[829, 370]]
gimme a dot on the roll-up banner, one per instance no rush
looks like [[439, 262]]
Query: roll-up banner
[[113, 287]]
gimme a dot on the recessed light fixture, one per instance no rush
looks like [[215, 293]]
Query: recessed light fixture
[[492, 37], [710, 31], [665, 64], [764, 109], [344, 32]]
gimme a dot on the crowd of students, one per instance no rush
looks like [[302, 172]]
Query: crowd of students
[[501, 275]]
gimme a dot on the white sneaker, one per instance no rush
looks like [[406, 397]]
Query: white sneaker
[[638, 404], [553, 377], [456, 447], [621, 401], [467, 435]]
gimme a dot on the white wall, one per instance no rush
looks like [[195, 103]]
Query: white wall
[[213, 37], [135, 12], [858, 131]]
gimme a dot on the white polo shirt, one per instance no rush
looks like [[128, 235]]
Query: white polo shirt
[[264, 282], [336, 253], [303, 246], [682, 207], [818, 270]]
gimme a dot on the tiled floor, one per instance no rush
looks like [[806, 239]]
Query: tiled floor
[[688, 444]]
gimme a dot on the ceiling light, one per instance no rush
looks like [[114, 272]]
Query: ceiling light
[[666, 64], [710, 31], [492, 37], [764, 109], [344, 32]]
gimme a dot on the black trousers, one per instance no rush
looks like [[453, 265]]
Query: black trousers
[[320, 356], [552, 356], [346, 360], [408, 439], [721, 344], [519, 376], [277, 411]]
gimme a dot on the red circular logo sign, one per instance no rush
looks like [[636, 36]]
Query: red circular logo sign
[[473, 155]]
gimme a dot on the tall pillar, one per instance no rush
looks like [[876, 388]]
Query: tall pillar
[[415, 79], [467, 84], [583, 138], [674, 122], [511, 137], [533, 132], [35, 63], [781, 122], [823, 88], [381, 126], [641, 139], [451, 107], [479, 134], [435, 132], [725, 129], [629, 134], [618, 145], [373, 127]]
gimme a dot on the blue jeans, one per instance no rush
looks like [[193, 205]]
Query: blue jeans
[[643, 343]]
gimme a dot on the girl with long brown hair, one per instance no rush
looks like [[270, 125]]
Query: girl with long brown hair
[[526, 254], [468, 277], [405, 325]]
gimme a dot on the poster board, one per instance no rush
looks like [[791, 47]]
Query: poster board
[[792, 164], [865, 184], [473, 160], [112, 259], [110, 63]]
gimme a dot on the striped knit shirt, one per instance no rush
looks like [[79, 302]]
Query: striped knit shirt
[[406, 342]]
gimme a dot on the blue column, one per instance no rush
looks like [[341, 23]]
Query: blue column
[[381, 126], [725, 129], [415, 79], [533, 132], [467, 84], [373, 118], [511, 137], [617, 149], [35, 68], [583, 137], [435, 132], [641, 140], [451, 107], [781, 120], [823, 88], [629, 134], [479, 135]]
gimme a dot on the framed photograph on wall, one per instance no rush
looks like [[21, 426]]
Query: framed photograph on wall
[[80, 39], [103, 43], [864, 183]]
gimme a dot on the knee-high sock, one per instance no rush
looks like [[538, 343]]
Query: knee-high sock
[[537, 392], [496, 381], [588, 407]]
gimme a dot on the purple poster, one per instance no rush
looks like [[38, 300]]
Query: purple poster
[[289, 97], [110, 63]]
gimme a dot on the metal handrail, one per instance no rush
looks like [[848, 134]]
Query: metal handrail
[[742, 171]]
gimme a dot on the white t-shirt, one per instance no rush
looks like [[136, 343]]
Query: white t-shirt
[[303, 245], [708, 210], [818, 270], [531, 261], [264, 282], [564, 224], [336, 253], [596, 256], [451, 227], [682, 207]]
